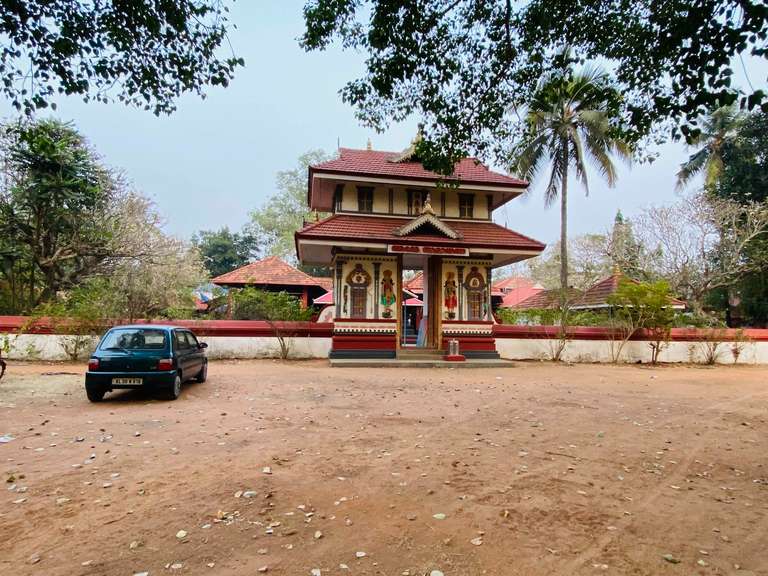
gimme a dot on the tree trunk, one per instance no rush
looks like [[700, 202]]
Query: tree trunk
[[564, 229]]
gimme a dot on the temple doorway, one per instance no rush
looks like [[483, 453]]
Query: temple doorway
[[421, 303]]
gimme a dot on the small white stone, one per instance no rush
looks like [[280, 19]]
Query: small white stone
[[181, 534], [318, 535], [360, 554]]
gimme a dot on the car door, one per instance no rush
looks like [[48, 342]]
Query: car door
[[183, 354], [195, 353]]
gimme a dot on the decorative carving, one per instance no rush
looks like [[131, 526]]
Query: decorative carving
[[358, 281], [450, 299], [476, 295], [388, 296]]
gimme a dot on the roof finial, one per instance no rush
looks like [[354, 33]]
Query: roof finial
[[369, 146], [427, 207]]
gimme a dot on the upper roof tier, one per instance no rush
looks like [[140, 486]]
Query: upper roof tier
[[391, 167]]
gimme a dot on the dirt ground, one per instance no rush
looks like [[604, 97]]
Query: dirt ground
[[301, 469]]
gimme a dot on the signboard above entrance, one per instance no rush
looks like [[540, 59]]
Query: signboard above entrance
[[431, 250]]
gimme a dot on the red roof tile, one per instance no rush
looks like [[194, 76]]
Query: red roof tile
[[597, 295], [269, 271], [517, 295], [415, 284], [545, 299], [374, 163], [379, 230], [325, 282], [513, 283]]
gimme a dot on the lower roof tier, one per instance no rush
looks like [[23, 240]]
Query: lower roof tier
[[315, 242]]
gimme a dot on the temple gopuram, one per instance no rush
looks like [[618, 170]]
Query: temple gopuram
[[389, 215]]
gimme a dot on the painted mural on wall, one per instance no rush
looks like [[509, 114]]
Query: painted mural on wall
[[450, 296], [388, 296]]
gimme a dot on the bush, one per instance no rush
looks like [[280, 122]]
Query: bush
[[273, 308]]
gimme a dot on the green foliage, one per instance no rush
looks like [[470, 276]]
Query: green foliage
[[275, 223], [570, 120], [223, 251], [645, 305], [466, 67], [149, 53], [53, 210], [67, 223], [273, 308], [80, 317], [255, 304], [744, 178], [720, 128], [551, 317]]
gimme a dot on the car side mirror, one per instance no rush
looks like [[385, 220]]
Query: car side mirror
[[202, 345]]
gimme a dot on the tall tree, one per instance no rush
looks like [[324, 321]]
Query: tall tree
[[699, 243], [145, 52], [464, 65], [285, 212], [569, 122], [719, 128], [744, 179], [54, 202], [223, 250]]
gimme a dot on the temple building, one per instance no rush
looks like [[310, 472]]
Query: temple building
[[388, 214]]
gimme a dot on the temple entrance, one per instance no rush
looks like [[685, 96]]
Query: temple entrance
[[421, 327]]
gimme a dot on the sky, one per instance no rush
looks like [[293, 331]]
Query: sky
[[214, 160]]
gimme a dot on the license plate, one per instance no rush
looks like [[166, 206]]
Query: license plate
[[127, 381]]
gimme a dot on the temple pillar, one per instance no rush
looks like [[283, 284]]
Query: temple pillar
[[489, 284], [460, 290]]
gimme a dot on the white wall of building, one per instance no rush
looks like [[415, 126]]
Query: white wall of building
[[56, 347], [634, 351]]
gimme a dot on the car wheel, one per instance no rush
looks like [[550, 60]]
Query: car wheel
[[203, 374], [175, 389], [94, 393]]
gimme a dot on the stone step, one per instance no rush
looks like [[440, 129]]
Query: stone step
[[418, 363]]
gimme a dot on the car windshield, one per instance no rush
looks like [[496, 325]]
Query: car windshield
[[134, 339]]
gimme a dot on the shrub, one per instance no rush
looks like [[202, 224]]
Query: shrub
[[274, 308]]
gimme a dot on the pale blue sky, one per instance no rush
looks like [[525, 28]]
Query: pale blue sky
[[214, 160]]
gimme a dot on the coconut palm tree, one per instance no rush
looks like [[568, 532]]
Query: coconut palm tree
[[720, 128], [569, 122]]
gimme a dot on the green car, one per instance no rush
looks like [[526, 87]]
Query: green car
[[155, 357]]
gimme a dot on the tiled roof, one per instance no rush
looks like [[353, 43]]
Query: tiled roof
[[325, 282], [597, 295], [513, 283], [374, 163], [380, 230], [269, 271], [326, 298], [545, 299], [517, 295], [415, 284]]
